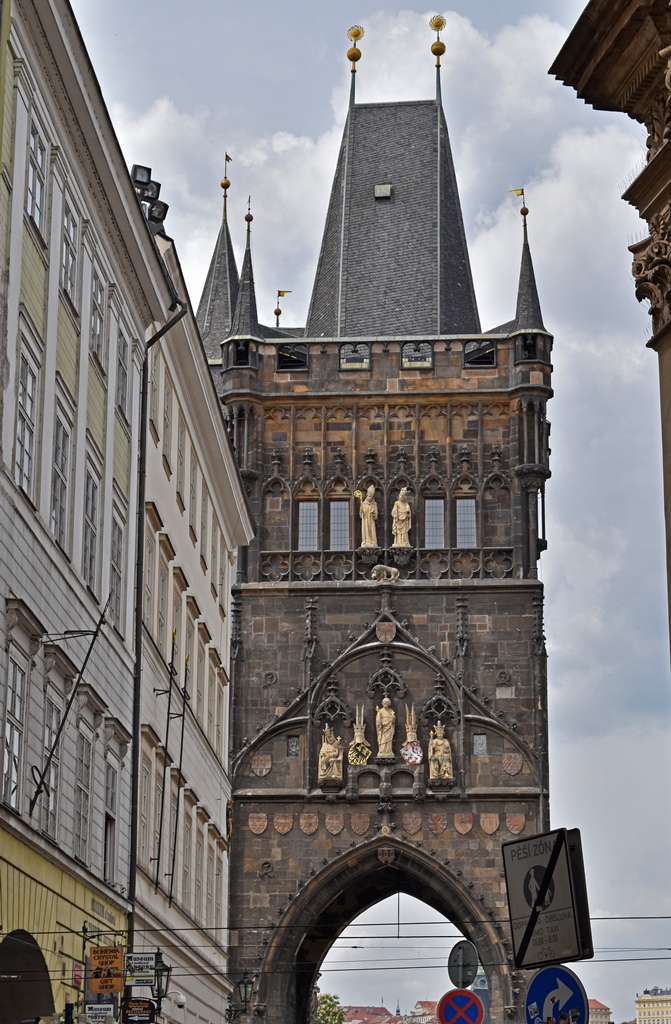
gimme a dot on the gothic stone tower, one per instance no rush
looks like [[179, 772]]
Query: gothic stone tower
[[392, 387]]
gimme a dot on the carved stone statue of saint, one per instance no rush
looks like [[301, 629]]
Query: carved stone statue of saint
[[401, 520], [385, 723], [440, 755], [368, 513], [330, 757]]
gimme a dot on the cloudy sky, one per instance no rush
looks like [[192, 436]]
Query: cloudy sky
[[268, 82]]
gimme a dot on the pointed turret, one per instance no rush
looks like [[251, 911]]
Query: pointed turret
[[528, 315], [245, 323], [220, 294], [394, 259]]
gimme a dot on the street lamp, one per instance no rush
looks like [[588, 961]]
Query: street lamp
[[162, 972], [245, 989]]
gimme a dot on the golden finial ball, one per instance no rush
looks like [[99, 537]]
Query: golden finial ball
[[524, 211], [249, 218], [225, 183], [278, 311], [438, 48], [354, 54]]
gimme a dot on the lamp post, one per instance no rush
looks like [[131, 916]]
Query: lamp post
[[162, 972], [245, 989]]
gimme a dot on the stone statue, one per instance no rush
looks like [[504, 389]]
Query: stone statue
[[385, 723], [359, 749], [401, 518], [440, 755], [330, 757], [368, 513], [380, 573], [411, 751]]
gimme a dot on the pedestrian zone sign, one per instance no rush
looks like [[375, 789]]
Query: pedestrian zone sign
[[547, 899]]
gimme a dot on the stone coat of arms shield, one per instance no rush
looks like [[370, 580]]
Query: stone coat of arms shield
[[489, 823], [515, 823], [412, 823], [283, 823], [437, 823], [309, 823], [463, 822], [335, 823], [360, 823], [261, 764], [258, 823]]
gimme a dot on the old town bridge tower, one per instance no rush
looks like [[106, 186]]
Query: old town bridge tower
[[388, 719]]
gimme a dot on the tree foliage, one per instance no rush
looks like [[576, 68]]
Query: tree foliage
[[329, 1010]]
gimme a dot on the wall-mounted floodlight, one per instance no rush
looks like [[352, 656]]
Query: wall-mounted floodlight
[[140, 176]]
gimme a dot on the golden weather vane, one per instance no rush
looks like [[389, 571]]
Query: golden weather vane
[[437, 23]]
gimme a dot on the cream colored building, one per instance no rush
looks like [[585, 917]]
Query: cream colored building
[[82, 287], [653, 1006]]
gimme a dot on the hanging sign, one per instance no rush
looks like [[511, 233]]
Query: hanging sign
[[140, 968], [106, 969]]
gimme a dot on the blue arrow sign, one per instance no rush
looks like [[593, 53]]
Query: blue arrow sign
[[556, 996]]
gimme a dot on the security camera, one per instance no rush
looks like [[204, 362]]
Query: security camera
[[180, 1000]]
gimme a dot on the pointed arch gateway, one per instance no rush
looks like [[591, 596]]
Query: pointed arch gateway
[[350, 885]]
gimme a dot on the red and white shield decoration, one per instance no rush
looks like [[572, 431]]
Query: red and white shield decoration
[[385, 855], [515, 823], [261, 764], [283, 823], [412, 752], [309, 823], [489, 823], [360, 823], [258, 823], [412, 823], [512, 763], [437, 823], [335, 823], [463, 822]]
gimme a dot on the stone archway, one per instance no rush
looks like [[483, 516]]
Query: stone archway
[[26, 988], [342, 891]]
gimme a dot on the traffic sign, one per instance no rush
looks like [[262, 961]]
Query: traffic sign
[[459, 1006], [462, 965], [547, 898], [556, 996]]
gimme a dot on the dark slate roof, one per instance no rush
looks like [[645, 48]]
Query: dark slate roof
[[397, 265], [528, 316], [215, 310], [245, 322]]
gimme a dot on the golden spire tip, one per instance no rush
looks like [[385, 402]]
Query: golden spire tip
[[437, 24]]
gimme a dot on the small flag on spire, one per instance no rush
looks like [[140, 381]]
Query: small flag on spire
[[228, 158], [282, 294], [516, 191]]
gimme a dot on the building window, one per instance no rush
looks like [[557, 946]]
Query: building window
[[480, 353], [167, 421], [25, 427], [59, 483], [188, 654], [210, 703], [222, 571], [219, 730], [172, 838], [176, 624], [89, 567], [116, 575], [307, 525], [158, 824], [213, 554], [162, 605], [97, 338], [109, 854], [144, 812], [153, 388], [121, 397], [292, 357], [16, 698], [193, 495], [466, 532], [69, 261], [186, 867], [354, 357], [338, 525], [35, 194], [149, 582], [52, 723], [416, 355], [181, 455], [200, 682], [198, 909], [218, 894], [204, 502], [434, 523], [82, 797], [209, 907]]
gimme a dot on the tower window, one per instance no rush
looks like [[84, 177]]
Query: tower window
[[466, 531], [434, 523], [292, 357], [339, 525], [354, 357], [480, 353], [307, 525], [416, 356], [529, 346]]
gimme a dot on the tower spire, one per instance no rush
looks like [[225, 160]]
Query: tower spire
[[245, 323], [528, 314], [220, 293], [354, 55], [438, 23]]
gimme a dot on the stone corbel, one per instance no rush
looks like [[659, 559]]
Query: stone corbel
[[651, 269]]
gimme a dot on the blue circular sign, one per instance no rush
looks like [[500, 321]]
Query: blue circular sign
[[459, 1006], [556, 996]]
